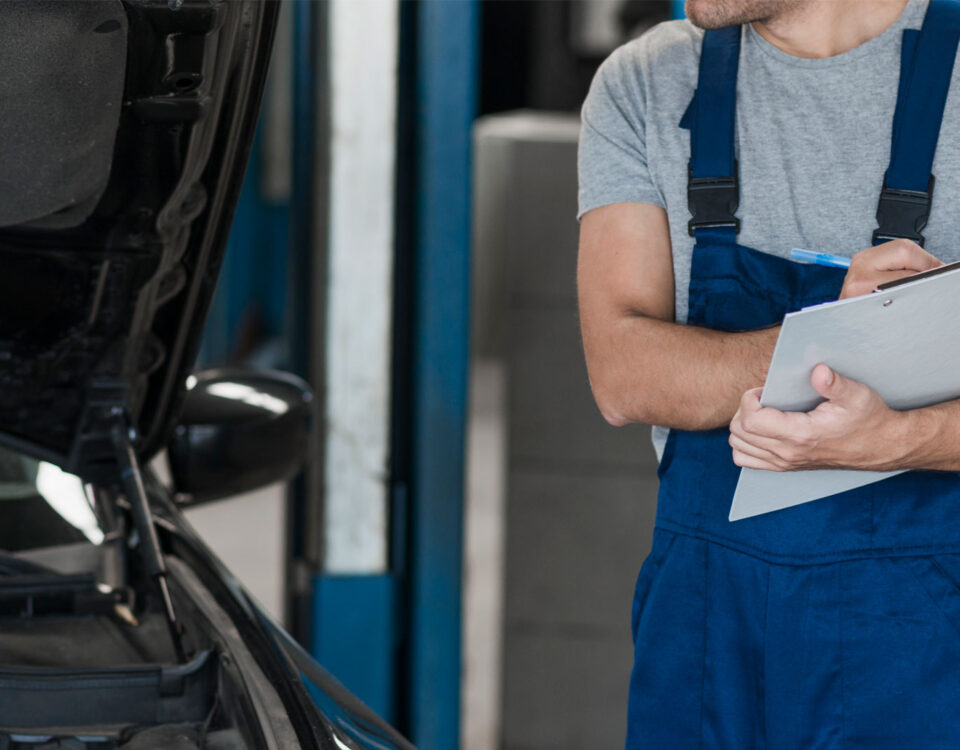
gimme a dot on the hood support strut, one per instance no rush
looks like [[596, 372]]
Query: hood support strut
[[131, 480]]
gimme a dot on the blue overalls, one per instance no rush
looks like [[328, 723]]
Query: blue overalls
[[833, 624]]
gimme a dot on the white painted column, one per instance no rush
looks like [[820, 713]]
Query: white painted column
[[363, 51], [483, 556]]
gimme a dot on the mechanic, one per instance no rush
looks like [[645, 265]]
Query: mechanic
[[704, 157]]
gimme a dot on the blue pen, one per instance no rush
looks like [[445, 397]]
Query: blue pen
[[821, 259]]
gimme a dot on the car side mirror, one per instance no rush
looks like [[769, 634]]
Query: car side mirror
[[239, 430]]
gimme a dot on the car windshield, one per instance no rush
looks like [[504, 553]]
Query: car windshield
[[43, 506]]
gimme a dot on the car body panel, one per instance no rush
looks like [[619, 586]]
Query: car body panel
[[130, 125]]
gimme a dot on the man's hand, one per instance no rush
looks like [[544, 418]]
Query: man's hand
[[887, 262], [852, 429]]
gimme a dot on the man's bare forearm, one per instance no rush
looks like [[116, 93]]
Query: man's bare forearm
[[644, 367], [658, 372], [927, 439]]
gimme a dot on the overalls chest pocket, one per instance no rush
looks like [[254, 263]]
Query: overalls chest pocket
[[737, 288]]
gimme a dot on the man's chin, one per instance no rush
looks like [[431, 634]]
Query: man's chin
[[718, 14], [705, 14]]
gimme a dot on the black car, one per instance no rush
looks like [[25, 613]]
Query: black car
[[125, 129]]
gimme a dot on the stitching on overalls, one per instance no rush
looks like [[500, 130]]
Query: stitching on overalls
[[703, 659]]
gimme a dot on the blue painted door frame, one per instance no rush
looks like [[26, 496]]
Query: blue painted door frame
[[394, 639], [439, 83]]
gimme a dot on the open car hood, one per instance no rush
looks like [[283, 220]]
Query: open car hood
[[125, 133]]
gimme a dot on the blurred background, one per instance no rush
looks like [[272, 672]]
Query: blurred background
[[462, 548]]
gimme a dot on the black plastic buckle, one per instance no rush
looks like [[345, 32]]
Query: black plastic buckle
[[902, 214], [713, 201]]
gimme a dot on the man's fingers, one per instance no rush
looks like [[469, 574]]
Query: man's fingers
[[897, 255], [737, 443], [829, 384], [838, 388], [885, 263], [749, 403], [752, 398], [866, 280], [750, 462], [772, 446], [771, 423]]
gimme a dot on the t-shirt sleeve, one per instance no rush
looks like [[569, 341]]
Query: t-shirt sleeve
[[612, 156]]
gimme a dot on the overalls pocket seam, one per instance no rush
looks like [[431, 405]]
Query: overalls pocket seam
[[645, 578], [944, 579]]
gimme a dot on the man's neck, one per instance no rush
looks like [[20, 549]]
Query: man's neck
[[824, 28]]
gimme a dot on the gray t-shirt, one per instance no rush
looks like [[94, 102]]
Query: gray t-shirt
[[813, 142]]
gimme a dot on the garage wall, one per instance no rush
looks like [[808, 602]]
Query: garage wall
[[580, 495], [247, 533]]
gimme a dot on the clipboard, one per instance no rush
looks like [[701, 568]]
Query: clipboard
[[946, 268], [903, 341]]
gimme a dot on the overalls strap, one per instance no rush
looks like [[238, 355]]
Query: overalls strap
[[926, 70], [713, 192], [738, 288]]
